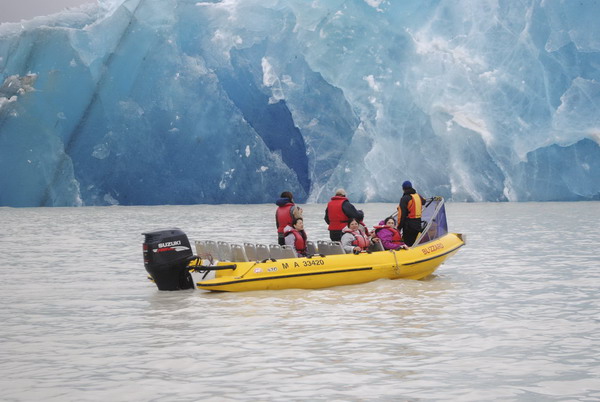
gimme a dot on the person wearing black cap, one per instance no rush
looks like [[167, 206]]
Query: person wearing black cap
[[409, 213]]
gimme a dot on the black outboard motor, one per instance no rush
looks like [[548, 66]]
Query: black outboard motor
[[166, 256]]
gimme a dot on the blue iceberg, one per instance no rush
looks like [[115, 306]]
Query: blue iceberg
[[145, 102]]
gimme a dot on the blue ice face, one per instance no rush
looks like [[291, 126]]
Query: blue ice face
[[185, 101]]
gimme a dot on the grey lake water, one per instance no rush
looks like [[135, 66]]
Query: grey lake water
[[515, 315]]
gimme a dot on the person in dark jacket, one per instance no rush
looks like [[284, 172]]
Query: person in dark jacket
[[409, 213], [338, 213], [285, 214]]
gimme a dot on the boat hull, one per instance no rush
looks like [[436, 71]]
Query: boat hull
[[331, 270]]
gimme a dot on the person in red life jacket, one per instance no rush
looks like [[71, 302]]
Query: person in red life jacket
[[338, 213], [388, 234], [295, 236], [409, 213], [353, 239], [286, 212]]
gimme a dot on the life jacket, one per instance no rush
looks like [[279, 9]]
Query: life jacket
[[360, 240], [284, 216], [300, 239], [415, 207], [396, 236], [337, 218]]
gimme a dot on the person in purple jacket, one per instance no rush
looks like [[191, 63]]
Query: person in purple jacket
[[389, 235]]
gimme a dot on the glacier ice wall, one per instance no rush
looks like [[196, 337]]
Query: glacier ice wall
[[178, 101]]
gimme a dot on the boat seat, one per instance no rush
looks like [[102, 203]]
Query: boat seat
[[330, 247], [202, 251], [335, 247], [238, 253], [288, 252], [376, 246], [275, 251], [250, 251], [262, 252], [323, 247], [311, 249], [212, 249], [224, 250]]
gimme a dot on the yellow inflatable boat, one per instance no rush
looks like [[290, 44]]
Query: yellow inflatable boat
[[233, 268], [322, 271]]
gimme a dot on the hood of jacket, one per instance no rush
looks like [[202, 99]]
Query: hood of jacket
[[282, 201]]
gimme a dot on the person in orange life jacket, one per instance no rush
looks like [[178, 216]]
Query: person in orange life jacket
[[388, 235], [338, 213], [354, 240], [295, 236], [409, 213], [286, 212]]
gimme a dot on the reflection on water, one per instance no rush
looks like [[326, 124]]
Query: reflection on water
[[512, 316]]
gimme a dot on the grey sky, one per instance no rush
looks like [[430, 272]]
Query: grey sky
[[17, 10]]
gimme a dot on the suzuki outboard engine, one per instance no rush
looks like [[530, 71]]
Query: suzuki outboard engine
[[166, 256]]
